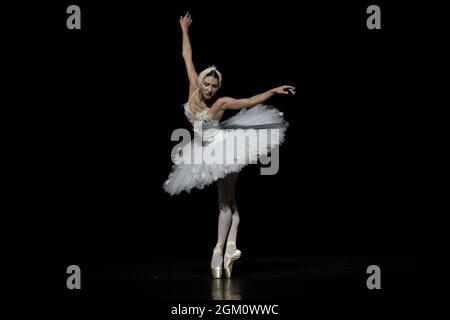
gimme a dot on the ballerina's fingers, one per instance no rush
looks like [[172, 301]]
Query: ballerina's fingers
[[288, 90]]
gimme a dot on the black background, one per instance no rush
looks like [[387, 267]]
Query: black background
[[89, 114]]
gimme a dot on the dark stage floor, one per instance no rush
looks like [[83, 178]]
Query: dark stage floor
[[256, 278]]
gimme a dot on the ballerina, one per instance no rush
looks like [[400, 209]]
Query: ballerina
[[204, 110]]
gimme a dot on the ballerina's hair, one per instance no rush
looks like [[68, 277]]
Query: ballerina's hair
[[210, 71]]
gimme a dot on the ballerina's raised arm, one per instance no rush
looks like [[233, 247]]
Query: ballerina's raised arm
[[185, 22]]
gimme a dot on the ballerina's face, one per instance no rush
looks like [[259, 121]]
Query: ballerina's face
[[209, 87]]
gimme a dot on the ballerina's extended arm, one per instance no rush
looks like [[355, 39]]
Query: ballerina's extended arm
[[185, 22], [231, 103]]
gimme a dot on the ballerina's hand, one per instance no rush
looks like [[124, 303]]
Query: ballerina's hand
[[185, 21], [285, 90]]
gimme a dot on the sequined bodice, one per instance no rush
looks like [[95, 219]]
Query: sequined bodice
[[202, 124], [199, 116]]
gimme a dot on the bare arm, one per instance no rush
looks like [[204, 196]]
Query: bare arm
[[185, 22], [231, 103]]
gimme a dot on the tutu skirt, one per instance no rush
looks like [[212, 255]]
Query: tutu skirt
[[221, 148]]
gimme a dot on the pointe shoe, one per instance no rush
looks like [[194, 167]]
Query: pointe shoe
[[216, 272], [229, 260]]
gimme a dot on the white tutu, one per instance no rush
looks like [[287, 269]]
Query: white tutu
[[220, 148]]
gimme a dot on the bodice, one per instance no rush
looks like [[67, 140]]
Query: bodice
[[203, 125]]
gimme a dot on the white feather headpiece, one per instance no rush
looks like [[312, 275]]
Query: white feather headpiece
[[208, 70]]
